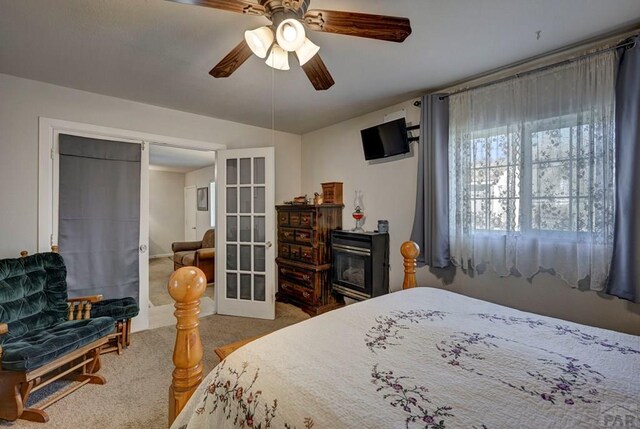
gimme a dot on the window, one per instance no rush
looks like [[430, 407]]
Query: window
[[495, 188], [545, 187], [531, 173], [562, 166]]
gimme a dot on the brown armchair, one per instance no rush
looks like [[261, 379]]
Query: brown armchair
[[201, 254]]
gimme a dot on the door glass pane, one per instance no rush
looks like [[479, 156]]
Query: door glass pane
[[259, 288], [258, 261], [245, 228], [232, 200], [258, 233], [232, 257], [259, 197], [245, 201], [245, 286], [245, 171], [232, 228], [232, 171], [245, 258], [258, 171], [232, 285]]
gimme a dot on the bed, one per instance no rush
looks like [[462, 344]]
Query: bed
[[418, 358]]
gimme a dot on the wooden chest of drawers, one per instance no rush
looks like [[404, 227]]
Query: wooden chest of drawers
[[304, 256]]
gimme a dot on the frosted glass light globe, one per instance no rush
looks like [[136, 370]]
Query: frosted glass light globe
[[290, 35], [259, 40], [289, 32]]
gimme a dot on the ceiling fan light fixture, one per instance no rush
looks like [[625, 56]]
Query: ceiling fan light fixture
[[290, 35], [259, 40], [307, 51], [278, 58]]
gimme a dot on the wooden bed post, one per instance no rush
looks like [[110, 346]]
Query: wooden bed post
[[186, 286], [410, 251]]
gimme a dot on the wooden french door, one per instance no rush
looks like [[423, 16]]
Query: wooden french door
[[245, 233]]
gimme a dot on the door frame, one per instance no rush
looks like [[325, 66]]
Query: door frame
[[48, 131]]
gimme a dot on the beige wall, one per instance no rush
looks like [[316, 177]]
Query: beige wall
[[202, 178], [335, 154], [166, 210], [22, 101]]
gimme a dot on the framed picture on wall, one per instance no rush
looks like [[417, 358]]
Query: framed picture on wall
[[203, 199]]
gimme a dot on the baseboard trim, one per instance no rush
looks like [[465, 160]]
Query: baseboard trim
[[162, 255]]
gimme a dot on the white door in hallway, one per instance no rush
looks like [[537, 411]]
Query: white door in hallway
[[190, 214], [245, 233]]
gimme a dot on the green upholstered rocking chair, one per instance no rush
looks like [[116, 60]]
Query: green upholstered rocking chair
[[44, 336]]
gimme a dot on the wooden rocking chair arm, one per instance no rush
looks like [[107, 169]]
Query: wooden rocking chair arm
[[91, 298]]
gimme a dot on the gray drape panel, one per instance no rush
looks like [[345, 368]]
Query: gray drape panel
[[624, 276], [99, 216], [431, 221]]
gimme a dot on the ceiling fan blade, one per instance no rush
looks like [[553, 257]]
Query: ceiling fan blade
[[232, 61], [318, 73], [389, 28], [239, 6]]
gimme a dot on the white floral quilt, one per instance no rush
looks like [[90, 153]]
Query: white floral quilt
[[424, 358]]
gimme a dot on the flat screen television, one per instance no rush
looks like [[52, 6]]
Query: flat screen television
[[385, 140]]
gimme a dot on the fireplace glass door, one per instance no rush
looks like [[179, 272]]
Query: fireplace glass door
[[351, 269]]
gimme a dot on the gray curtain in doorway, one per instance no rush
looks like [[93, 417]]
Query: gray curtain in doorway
[[431, 221], [624, 275], [99, 216]]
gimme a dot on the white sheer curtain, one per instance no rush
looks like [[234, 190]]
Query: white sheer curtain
[[531, 173]]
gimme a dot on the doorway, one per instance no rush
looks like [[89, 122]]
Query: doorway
[[247, 182], [48, 190], [179, 217]]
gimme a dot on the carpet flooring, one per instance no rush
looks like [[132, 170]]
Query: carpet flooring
[[160, 269], [136, 393]]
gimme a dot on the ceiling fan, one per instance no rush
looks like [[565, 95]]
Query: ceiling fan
[[286, 34]]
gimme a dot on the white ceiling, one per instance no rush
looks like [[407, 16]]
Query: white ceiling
[[160, 52], [179, 160]]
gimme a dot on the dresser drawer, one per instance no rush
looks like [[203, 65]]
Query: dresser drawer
[[306, 219], [294, 252], [301, 253], [296, 292], [284, 251], [304, 236], [307, 254], [283, 218], [287, 235], [294, 218], [297, 275], [301, 218], [298, 236]]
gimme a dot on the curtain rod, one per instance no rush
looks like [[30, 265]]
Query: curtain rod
[[542, 68]]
